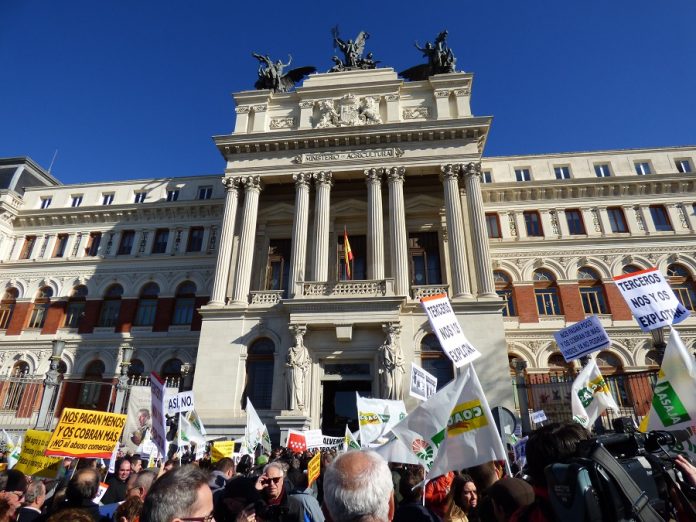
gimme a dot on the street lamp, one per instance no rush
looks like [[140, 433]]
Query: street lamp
[[51, 382], [122, 382]]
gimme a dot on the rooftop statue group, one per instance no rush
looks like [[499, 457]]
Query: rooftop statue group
[[273, 76]]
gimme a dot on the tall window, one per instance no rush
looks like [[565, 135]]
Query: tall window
[[358, 247], [259, 374], [125, 246], [107, 198], [546, 293], [184, 303], [493, 225], [41, 306], [93, 244], [76, 200], [523, 175], [562, 172], [591, 291], [139, 197], [172, 195], [684, 165], [602, 170], [682, 283], [147, 305], [434, 360], [15, 391], [76, 307], [61, 243], [91, 388], [532, 222], [195, 239], [617, 220], [278, 265], [159, 245], [46, 202], [111, 306], [9, 299], [424, 257], [503, 287], [576, 225], [642, 168], [660, 218], [28, 247], [205, 192]]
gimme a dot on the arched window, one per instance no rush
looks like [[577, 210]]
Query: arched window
[[136, 368], [15, 391], [185, 303], [259, 374], [591, 291], [683, 285], [630, 269], [111, 306], [171, 369], [652, 359], [91, 388], [40, 310], [434, 360], [546, 293], [558, 365], [147, 305], [503, 287], [9, 299], [609, 363], [76, 307]]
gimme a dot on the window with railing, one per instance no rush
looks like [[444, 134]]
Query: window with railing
[[147, 305], [503, 287], [546, 293], [259, 374], [356, 269], [16, 389], [39, 311], [424, 258], [278, 265]]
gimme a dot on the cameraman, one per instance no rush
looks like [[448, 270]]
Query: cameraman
[[554, 443]]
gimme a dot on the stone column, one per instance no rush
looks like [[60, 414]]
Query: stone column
[[482, 255], [397, 230], [455, 228], [298, 255], [224, 257], [320, 256], [252, 189], [375, 225]]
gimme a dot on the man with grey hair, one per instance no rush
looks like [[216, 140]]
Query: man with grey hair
[[279, 506], [139, 484], [34, 498], [358, 488], [181, 494]]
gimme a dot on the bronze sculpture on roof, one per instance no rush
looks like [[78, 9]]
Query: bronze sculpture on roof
[[352, 52], [441, 60], [271, 74]]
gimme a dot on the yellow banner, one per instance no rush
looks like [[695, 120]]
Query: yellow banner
[[221, 449], [86, 434], [32, 460], [313, 468]]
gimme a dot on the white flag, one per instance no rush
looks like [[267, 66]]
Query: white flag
[[471, 436], [376, 417], [188, 433], [254, 427], [13, 456], [590, 395], [397, 451], [266, 440], [8, 439], [674, 399], [423, 430], [349, 442]]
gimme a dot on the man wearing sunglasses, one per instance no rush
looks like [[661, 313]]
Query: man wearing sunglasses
[[279, 505]]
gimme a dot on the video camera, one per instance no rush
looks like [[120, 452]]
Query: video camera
[[622, 476]]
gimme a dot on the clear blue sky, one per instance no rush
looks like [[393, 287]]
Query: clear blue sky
[[127, 89]]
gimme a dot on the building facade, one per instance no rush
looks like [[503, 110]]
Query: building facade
[[247, 280]]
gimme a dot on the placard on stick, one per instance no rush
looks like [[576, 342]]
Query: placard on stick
[[86, 434], [584, 337]]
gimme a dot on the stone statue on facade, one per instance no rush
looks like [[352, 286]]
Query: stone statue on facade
[[352, 51], [298, 365], [391, 364], [441, 60], [271, 74]]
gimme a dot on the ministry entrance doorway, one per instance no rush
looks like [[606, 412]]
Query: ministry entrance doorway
[[339, 408]]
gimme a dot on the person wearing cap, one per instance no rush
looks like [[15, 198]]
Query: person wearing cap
[[508, 495]]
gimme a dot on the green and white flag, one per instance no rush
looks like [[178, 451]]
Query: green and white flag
[[266, 440], [674, 398], [349, 441], [376, 417], [13, 457], [471, 437], [253, 433], [188, 434], [590, 395]]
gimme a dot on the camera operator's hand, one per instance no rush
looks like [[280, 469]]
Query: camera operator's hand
[[687, 469]]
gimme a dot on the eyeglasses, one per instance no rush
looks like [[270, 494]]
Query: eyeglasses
[[275, 480], [208, 518]]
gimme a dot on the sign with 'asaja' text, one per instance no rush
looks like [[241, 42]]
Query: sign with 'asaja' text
[[651, 299], [446, 326]]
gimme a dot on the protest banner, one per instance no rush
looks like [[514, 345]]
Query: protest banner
[[86, 434], [446, 327], [331, 442], [313, 469], [376, 417], [423, 384], [584, 337], [158, 433], [650, 298], [180, 403], [313, 439], [221, 449], [537, 417], [296, 441], [32, 460], [590, 395]]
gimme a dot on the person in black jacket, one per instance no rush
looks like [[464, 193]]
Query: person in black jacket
[[411, 508]]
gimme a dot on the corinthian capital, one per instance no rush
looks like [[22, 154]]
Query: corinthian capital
[[251, 182], [396, 174], [230, 183], [301, 179], [323, 176], [472, 169], [373, 175], [451, 170]]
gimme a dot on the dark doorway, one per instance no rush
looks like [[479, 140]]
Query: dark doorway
[[339, 406]]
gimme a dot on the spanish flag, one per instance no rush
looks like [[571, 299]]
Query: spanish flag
[[347, 254]]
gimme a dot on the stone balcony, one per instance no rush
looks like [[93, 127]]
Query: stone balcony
[[420, 291], [340, 289]]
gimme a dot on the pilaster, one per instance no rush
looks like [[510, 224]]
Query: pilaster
[[397, 230], [224, 257], [252, 190], [375, 225], [323, 181], [455, 228], [298, 255]]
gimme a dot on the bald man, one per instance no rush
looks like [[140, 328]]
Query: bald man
[[358, 487]]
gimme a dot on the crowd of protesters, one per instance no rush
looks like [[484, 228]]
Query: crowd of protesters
[[355, 486]]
